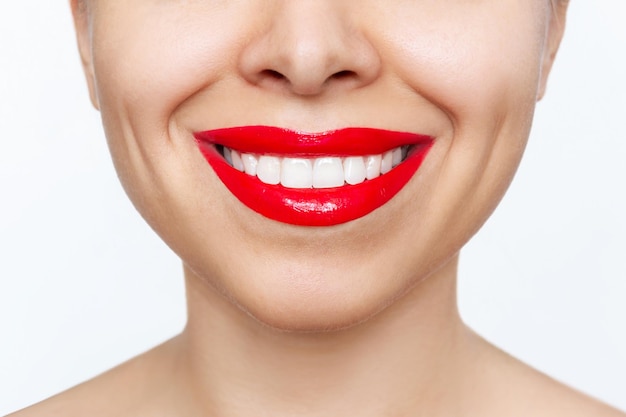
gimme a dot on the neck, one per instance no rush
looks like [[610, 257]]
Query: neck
[[402, 358]]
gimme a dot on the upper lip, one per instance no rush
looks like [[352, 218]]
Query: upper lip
[[341, 142]]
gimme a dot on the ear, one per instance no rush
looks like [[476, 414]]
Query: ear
[[554, 35], [82, 25]]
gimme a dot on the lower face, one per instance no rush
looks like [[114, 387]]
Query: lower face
[[458, 79]]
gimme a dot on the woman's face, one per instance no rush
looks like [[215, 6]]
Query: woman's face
[[463, 74]]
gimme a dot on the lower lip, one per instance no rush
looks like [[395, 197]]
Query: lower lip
[[311, 206]]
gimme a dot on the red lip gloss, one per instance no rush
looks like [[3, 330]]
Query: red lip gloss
[[312, 206]]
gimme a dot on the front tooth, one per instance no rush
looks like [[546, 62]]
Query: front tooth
[[387, 163], [372, 166], [237, 162], [268, 170], [354, 170], [249, 163], [296, 173], [396, 157], [328, 172]]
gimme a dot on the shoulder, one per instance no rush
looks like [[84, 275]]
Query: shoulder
[[85, 399], [556, 400], [122, 391], [527, 392], [560, 400], [98, 397]]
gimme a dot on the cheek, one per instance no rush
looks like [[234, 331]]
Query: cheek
[[474, 61], [478, 64], [151, 56]]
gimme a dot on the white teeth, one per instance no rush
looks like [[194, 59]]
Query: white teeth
[[328, 172], [227, 156], [249, 163], [387, 163], [268, 170], [372, 166], [396, 157], [237, 162], [296, 173], [322, 172], [354, 170]]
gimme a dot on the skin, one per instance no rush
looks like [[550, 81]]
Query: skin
[[356, 319]]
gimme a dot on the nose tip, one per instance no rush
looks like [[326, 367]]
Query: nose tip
[[308, 48]]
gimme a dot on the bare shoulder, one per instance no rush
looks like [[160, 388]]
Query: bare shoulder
[[118, 392], [528, 392], [560, 400]]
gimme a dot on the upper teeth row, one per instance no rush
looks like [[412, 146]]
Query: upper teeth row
[[322, 172]]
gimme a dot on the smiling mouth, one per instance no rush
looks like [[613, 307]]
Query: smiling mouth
[[321, 179]]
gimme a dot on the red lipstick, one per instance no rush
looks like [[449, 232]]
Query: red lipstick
[[313, 206]]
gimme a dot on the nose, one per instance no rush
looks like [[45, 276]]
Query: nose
[[308, 47]]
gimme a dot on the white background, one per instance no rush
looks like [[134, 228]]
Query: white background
[[545, 279]]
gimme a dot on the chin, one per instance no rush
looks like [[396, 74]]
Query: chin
[[313, 304], [321, 317]]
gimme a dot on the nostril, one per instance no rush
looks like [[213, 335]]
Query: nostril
[[273, 74], [343, 74], [305, 85]]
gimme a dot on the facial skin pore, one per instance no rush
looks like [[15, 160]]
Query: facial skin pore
[[354, 319]]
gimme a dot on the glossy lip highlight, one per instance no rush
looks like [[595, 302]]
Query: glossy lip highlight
[[313, 207]]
